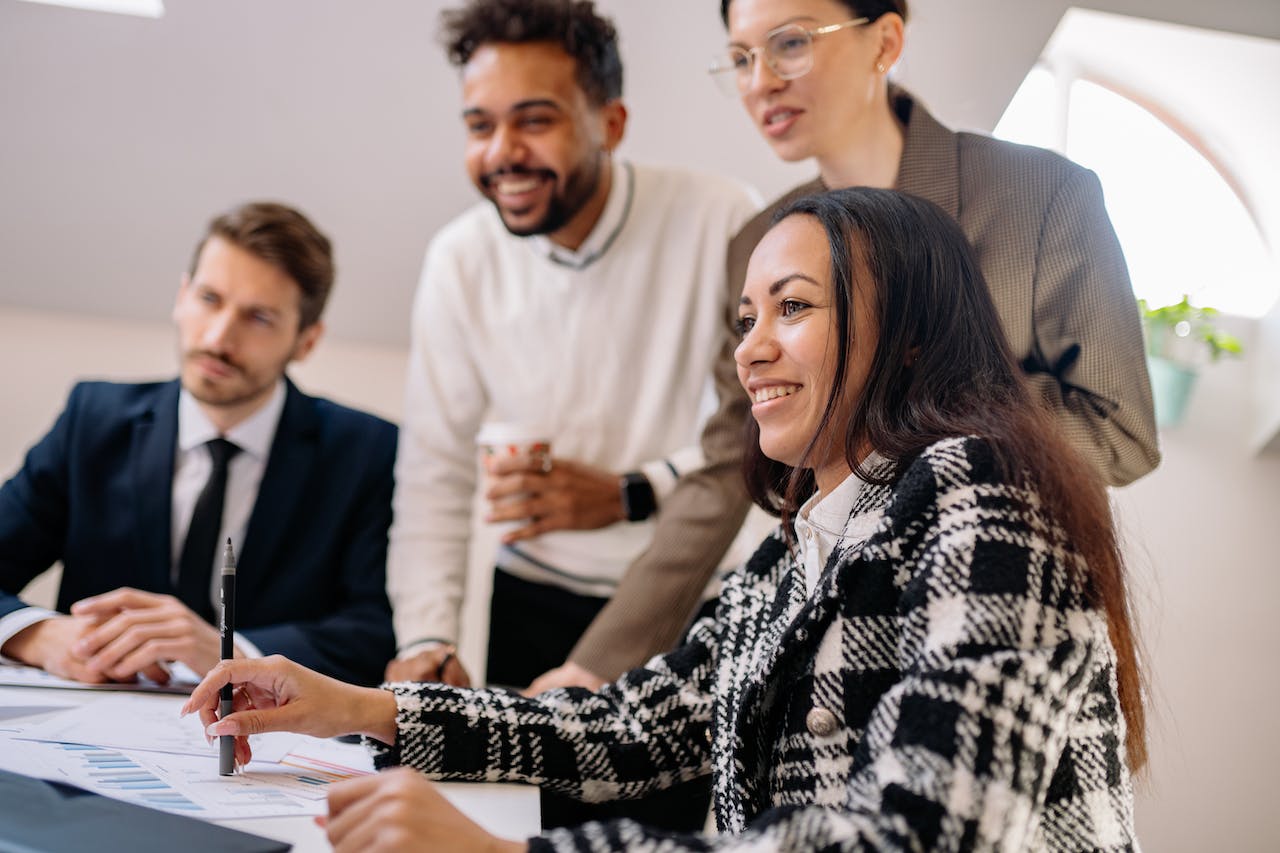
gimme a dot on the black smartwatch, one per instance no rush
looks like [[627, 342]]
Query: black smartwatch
[[638, 502]]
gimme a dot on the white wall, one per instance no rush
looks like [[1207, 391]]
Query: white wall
[[1202, 541]]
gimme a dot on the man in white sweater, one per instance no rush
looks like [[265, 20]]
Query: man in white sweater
[[585, 295]]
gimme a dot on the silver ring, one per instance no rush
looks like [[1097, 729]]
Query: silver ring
[[546, 464]]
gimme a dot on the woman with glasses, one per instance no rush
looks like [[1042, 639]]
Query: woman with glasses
[[813, 75], [933, 652]]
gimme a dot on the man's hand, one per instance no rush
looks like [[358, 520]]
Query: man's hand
[[48, 645], [569, 496], [399, 810], [437, 662], [138, 630], [567, 675], [274, 694]]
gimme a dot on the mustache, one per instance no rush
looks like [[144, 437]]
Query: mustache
[[216, 356], [487, 179]]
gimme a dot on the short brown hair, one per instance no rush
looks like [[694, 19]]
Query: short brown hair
[[572, 25], [284, 238]]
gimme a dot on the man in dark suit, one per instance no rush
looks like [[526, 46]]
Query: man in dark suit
[[138, 486]]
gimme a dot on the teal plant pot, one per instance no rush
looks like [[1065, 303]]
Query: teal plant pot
[[1171, 386]]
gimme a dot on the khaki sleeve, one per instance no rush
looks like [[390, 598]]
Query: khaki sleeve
[[1089, 337]]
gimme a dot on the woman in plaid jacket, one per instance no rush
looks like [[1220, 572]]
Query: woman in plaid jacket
[[932, 653]]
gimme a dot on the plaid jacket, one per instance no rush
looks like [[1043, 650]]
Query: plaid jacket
[[945, 687]]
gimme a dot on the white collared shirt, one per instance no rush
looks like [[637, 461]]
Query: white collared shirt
[[192, 465], [824, 523]]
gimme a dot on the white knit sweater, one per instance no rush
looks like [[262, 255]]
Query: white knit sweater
[[612, 359]]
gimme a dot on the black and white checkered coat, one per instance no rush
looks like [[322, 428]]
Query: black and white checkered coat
[[944, 688]]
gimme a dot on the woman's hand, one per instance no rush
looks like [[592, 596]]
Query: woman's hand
[[275, 694], [399, 810]]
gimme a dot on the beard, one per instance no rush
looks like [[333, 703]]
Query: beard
[[578, 188], [241, 387]]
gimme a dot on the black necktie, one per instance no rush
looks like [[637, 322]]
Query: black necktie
[[195, 566]]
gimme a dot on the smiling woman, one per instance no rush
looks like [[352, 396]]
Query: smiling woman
[[943, 662]]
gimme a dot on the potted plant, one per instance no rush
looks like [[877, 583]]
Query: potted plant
[[1180, 337]]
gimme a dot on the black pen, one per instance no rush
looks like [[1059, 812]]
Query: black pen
[[227, 630]]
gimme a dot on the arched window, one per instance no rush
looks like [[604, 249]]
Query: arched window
[[1179, 217]]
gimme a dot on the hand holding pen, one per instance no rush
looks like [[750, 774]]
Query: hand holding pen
[[275, 694]]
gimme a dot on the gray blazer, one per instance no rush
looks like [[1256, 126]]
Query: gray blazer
[[1060, 285]]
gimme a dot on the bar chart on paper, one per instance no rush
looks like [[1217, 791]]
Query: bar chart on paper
[[310, 769], [174, 783], [115, 772]]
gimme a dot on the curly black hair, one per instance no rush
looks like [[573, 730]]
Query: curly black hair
[[574, 25]]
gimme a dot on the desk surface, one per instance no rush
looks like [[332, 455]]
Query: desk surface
[[511, 811]]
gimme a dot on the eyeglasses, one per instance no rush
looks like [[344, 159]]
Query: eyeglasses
[[788, 51]]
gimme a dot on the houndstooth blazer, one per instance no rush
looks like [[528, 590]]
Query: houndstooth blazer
[[945, 687]]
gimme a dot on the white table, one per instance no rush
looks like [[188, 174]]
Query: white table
[[510, 811]]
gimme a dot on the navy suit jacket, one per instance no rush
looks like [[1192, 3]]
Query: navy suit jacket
[[95, 493]]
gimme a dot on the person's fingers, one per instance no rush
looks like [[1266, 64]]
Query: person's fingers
[[256, 721], [351, 805], [354, 822], [536, 527], [424, 666], [76, 671], [148, 654], [94, 640], [455, 674], [257, 697], [208, 716], [243, 753], [156, 673], [517, 509], [117, 599], [139, 632], [400, 670], [99, 638], [258, 672], [524, 482], [343, 794], [541, 684], [498, 466]]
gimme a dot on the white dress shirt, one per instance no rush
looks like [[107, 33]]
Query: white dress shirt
[[191, 468], [826, 522]]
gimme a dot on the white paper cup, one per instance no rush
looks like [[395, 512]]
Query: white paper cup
[[512, 440], [508, 439]]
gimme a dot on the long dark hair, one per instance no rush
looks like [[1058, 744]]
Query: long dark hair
[[942, 368]]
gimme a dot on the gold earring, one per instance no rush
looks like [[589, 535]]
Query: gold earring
[[879, 67]]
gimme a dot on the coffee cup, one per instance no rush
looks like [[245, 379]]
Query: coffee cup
[[505, 439]]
